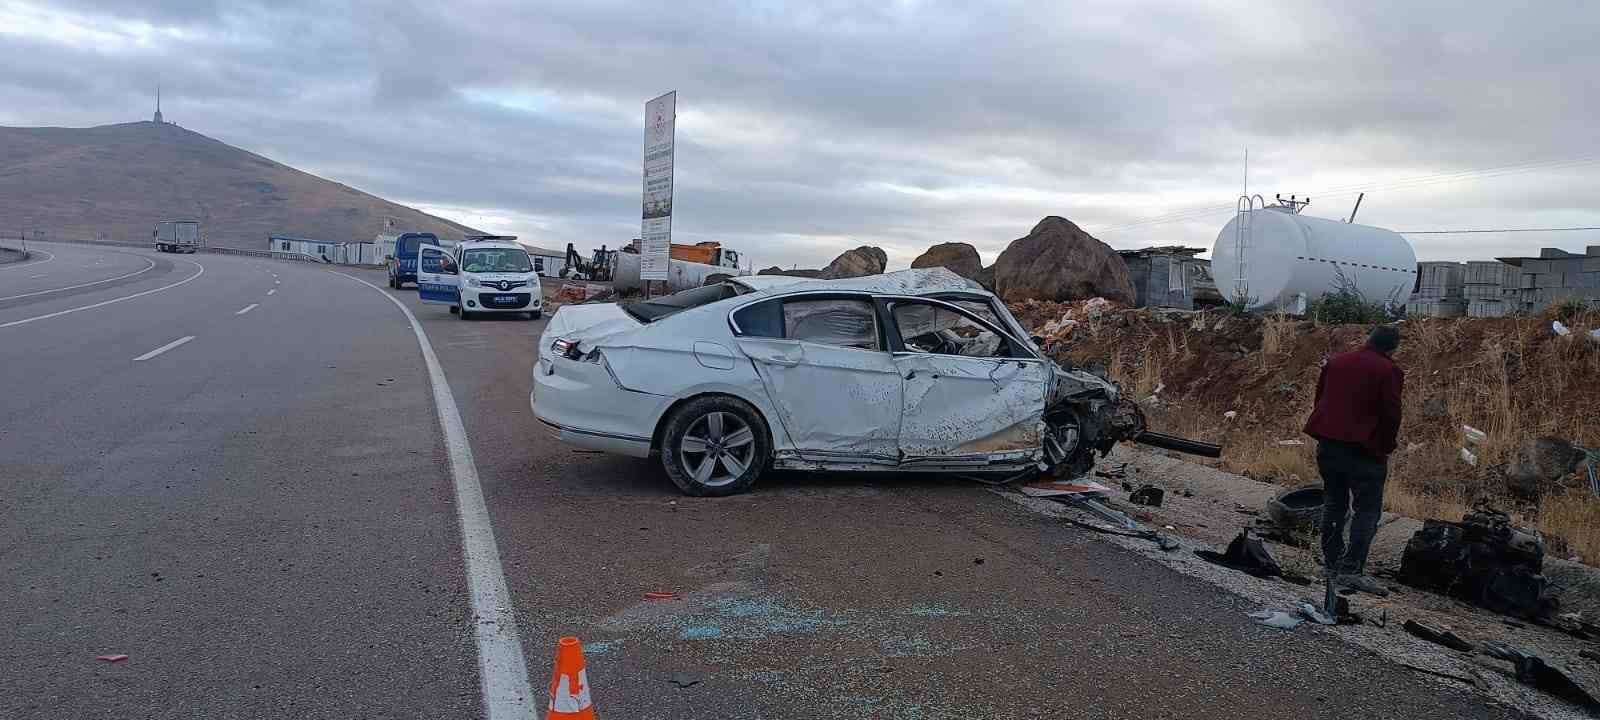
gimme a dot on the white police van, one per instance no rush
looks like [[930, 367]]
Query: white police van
[[482, 274]]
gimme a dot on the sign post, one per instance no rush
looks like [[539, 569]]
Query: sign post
[[655, 234]]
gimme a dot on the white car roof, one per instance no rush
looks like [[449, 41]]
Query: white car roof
[[916, 281], [492, 245]]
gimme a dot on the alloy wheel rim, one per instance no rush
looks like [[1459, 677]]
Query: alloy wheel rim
[[717, 448]]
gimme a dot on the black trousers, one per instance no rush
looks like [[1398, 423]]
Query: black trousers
[[1352, 483]]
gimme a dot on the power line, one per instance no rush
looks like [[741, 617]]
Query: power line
[[1195, 213], [1501, 230]]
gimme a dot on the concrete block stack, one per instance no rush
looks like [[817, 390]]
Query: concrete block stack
[[1440, 290], [1557, 275], [1492, 288]]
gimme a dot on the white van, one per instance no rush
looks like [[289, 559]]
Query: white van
[[482, 274]]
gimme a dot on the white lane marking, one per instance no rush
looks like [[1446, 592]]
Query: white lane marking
[[147, 268], [269, 292], [201, 271], [40, 275], [164, 348], [507, 695], [247, 308], [277, 282], [30, 263]]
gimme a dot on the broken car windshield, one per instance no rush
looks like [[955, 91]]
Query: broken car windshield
[[656, 308]]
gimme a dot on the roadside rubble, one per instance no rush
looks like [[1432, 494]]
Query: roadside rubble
[[1204, 505]]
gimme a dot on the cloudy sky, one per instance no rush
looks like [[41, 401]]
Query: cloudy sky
[[807, 128]]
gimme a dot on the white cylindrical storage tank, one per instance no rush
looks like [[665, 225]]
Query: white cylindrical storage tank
[[1291, 259], [681, 274]]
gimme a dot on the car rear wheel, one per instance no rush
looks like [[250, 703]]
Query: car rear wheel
[[715, 446]]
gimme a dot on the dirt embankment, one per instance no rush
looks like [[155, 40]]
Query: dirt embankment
[[1513, 378]]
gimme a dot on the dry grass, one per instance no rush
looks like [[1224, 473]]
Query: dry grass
[[1575, 517], [1511, 378]]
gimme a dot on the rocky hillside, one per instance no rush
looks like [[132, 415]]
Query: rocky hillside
[[116, 181]]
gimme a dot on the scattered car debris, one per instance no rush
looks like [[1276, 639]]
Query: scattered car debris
[[1482, 560], [1439, 636], [1296, 508], [1066, 488], [685, 680], [1560, 328], [1572, 624], [111, 658], [1276, 619], [1292, 442], [661, 595], [1091, 501], [1310, 611], [1473, 435], [1535, 671], [1475, 682], [1247, 554], [1148, 496]]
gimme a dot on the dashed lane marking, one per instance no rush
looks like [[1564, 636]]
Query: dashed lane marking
[[274, 290], [199, 270], [147, 268], [164, 348], [507, 695], [247, 308]]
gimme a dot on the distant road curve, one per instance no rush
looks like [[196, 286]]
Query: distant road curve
[[15, 264], [199, 270]]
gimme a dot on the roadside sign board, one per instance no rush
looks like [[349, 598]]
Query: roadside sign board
[[655, 235]]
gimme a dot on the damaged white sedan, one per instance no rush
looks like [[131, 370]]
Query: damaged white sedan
[[917, 370]]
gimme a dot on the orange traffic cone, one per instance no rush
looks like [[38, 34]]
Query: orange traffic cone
[[569, 688]]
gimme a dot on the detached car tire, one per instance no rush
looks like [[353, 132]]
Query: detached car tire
[[715, 446]]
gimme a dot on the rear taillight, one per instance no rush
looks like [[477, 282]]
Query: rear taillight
[[565, 348]]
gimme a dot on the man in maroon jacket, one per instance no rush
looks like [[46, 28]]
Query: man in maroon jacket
[[1357, 424]]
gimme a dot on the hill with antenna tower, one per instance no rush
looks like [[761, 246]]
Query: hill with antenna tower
[[114, 182]]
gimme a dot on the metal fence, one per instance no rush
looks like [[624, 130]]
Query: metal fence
[[293, 256]]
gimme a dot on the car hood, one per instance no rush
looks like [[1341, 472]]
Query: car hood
[[588, 323]]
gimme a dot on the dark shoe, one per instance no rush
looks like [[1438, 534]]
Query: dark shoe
[[1363, 583]]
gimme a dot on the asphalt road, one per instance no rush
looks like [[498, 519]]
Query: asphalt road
[[262, 518]]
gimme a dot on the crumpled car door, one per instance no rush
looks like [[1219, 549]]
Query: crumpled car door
[[971, 408], [836, 403]]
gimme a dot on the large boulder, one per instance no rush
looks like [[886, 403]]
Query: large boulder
[[1058, 261], [959, 258], [1540, 461], [986, 278], [864, 260]]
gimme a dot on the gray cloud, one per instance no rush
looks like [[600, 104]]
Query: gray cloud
[[807, 129]]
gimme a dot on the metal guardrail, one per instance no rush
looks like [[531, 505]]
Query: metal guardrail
[[270, 254]]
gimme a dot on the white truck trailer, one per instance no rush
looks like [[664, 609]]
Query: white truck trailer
[[177, 236]]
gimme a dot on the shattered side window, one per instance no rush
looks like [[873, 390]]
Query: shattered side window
[[942, 331], [847, 323], [763, 319]]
